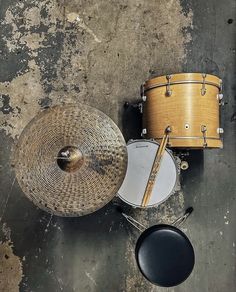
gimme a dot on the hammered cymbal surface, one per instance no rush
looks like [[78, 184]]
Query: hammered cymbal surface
[[100, 166]]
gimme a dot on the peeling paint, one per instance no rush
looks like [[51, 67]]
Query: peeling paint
[[87, 53], [11, 272], [25, 91]]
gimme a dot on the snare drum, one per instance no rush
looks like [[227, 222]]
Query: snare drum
[[189, 104], [141, 155]]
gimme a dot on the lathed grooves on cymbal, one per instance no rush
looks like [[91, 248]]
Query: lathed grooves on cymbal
[[94, 171]]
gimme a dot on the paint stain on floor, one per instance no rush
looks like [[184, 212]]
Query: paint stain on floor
[[94, 52], [11, 272]]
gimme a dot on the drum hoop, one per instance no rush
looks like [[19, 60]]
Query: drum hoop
[[152, 140], [189, 137], [153, 205], [149, 87], [176, 179]]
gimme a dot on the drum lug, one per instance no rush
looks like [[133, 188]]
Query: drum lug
[[144, 132], [220, 130], [219, 96], [203, 130], [203, 90], [168, 130], [142, 88], [140, 106], [221, 86], [184, 165], [168, 89]]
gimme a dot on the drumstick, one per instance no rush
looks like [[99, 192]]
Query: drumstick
[[153, 173], [155, 168]]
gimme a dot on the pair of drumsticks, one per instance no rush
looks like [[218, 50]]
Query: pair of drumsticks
[[155, 168]]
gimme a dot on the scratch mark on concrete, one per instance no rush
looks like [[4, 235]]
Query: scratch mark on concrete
[[59, 281], [74, 17], [90, 278], [6, 232], [8, 196], [49, 221]]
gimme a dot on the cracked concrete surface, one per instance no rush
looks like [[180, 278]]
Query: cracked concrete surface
[[98, 53], [95, 52], [88, 51]]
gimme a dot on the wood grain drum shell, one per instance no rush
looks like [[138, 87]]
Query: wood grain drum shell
[[187, 102]]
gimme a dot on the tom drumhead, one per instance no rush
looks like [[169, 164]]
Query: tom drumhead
[[141, 154]]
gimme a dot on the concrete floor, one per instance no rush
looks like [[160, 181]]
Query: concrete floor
[[99, 52]]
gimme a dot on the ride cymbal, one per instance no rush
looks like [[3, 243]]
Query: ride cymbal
[[71, 160]]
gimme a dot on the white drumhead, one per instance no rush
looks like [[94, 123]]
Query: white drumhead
[[141, 154]]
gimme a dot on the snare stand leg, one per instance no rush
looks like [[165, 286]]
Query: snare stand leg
[[134, 222], [183, 218]]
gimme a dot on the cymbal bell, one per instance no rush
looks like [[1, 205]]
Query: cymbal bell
[[70, 160]]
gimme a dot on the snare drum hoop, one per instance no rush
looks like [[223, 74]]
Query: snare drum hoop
[[176, 179]]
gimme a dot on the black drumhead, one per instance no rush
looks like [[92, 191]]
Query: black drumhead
[[165, 255]]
